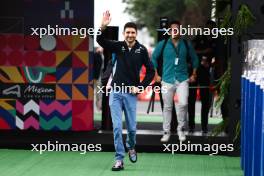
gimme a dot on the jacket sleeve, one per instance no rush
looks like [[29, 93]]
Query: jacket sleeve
[[110, 45], [150, 72]]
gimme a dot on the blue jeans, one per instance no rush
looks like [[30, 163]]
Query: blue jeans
[[127, 102]]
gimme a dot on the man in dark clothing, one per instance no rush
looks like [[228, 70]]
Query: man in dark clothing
[[97, 70], [130, 57], [98, 62], [205, 48]]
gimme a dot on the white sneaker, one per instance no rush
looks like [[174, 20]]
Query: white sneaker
[[165, 137], [181, 135]]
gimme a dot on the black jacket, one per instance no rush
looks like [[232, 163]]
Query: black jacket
[[128, 63]]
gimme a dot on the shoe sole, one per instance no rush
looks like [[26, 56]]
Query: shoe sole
[[182, 140], [133, 161], [164, 141], [117, 169]]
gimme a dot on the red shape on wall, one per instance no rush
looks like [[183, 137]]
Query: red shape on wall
[[3, 42], [31, 58], [83, 46], [76, 62], [82, 115], [48, 59], [61, 45], [31, 42], [49, 79], [2, 58], [16, 42], [15, 58], [4, 125]]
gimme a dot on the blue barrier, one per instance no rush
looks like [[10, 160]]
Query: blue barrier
[[243, 112], [262, 136], [257, 128], [252, 128], [252, 109]]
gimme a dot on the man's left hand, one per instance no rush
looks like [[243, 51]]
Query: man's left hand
[[134, 90], [192, 78]]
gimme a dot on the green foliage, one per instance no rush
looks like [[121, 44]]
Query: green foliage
[[191, 3], [227, 21], [221, 5], [227, 18], [223, 85], [148, 12], [244, 19], [220, 128], [238, 130]]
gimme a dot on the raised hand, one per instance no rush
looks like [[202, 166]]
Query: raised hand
[[106, 19]]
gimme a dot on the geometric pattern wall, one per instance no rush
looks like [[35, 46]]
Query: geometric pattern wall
[[46, 84], [27, 114], [55, 115], [66, 78], [7, 114]]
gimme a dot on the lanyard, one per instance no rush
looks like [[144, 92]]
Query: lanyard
[[177, 49], [177, 52]]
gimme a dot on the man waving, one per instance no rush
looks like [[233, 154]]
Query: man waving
[[130, 57]]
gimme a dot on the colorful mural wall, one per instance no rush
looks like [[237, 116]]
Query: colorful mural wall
[[46, 83]]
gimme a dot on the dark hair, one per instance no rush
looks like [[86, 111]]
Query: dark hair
[[175, 22], [130, 25]]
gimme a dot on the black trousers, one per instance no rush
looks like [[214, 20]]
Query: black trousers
[[203, 80]]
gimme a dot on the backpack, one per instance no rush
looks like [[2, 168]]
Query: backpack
[[160, 59]]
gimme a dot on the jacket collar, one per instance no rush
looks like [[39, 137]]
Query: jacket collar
[[137, 44]]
